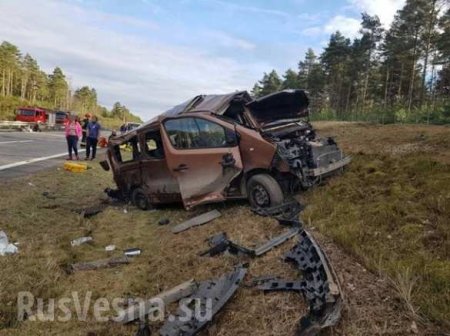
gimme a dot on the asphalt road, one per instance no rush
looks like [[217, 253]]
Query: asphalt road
[[24, 153]]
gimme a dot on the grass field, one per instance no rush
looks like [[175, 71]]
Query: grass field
[[384, 223]]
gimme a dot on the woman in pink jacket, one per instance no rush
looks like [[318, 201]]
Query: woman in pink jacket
[[73, 133]]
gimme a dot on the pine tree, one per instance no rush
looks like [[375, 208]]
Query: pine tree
[[9, 67], [372, 33], [305, 69], [335, 60], [58, 88], [290, 80], [270, 83]]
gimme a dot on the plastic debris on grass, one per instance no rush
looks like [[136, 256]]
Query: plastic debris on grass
[[5, 247]]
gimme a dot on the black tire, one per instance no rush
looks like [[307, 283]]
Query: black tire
[[263, 191], [140, 199]]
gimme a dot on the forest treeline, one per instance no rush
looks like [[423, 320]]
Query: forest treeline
[[23, 82], [401, 74]]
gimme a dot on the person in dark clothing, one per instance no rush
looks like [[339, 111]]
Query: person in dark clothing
[[84, 125], [92, 136], [123, 129]]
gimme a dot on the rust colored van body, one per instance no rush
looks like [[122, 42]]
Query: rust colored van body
[[217, 147]]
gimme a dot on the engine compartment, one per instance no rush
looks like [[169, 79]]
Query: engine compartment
[[304, 151]]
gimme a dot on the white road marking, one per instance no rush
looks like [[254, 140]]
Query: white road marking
[[22, 163], [56, 134], [15, 141]]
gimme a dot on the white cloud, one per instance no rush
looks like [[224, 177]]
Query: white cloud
[[385, 9], [250, 9], [226, 40], [311, 18], [145, 75], [312, 31], [346, 25]]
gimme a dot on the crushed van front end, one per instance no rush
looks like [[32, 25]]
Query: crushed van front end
[[309, 157]]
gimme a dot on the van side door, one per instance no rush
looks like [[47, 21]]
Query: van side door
[[203, 155], [127, 164], [157, 181]]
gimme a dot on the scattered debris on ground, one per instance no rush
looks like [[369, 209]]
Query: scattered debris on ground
[[75, 167], [164, 221], [218, 290], [5, 246], [220, 243], [142, 309], [143, 329], [49, 195], [110, 248], [319, 285], [81, 240], [97, 264], [132, 252], [91, 211], [197, 221]]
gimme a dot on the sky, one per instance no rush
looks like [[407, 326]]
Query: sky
[[153, 54]]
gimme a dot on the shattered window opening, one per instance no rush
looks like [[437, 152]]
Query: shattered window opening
[[153, 145], [194, 133], [128, 151]]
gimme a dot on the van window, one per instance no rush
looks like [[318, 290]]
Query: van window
[[189, 133], [128, 151], [153, 145]]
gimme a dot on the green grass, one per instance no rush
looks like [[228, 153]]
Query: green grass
[[393, 213]]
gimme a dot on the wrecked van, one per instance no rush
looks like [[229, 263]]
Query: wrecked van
[[217, 147]]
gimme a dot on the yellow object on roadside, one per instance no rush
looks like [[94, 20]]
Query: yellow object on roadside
[[75, 167]]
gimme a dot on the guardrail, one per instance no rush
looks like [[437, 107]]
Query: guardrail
[[7, 124], [22, 125]]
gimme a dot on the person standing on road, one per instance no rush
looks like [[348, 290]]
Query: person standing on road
[[84, 125], [92, 136], [73, 133]]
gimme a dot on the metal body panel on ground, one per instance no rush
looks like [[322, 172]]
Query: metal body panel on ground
[[219, 291], [196, 221], [319, 285], [220, 243]]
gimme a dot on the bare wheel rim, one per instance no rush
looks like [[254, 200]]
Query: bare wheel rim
[[260, 196], [141, 201]]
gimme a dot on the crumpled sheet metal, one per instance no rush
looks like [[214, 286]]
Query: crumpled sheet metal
[[220, 291], [286, 213], [197, 221], [319, 286], [220, 243]]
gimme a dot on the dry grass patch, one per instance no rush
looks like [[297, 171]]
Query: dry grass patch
[[390, 211]]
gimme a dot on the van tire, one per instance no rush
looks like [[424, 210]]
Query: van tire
[[264, 191], [140, 199]]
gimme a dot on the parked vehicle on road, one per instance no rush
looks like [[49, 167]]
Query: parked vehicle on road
[[39, 115], [31, 114], [217, 147]]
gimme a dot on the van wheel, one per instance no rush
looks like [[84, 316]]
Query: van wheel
[[140, 199], [264, 191]]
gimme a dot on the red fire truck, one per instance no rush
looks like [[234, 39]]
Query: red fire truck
[[32, 114], [41, 116]]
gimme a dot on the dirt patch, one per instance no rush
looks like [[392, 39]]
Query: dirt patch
[[372, 307]]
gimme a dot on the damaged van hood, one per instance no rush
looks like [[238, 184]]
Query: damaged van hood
[[279, 107]]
